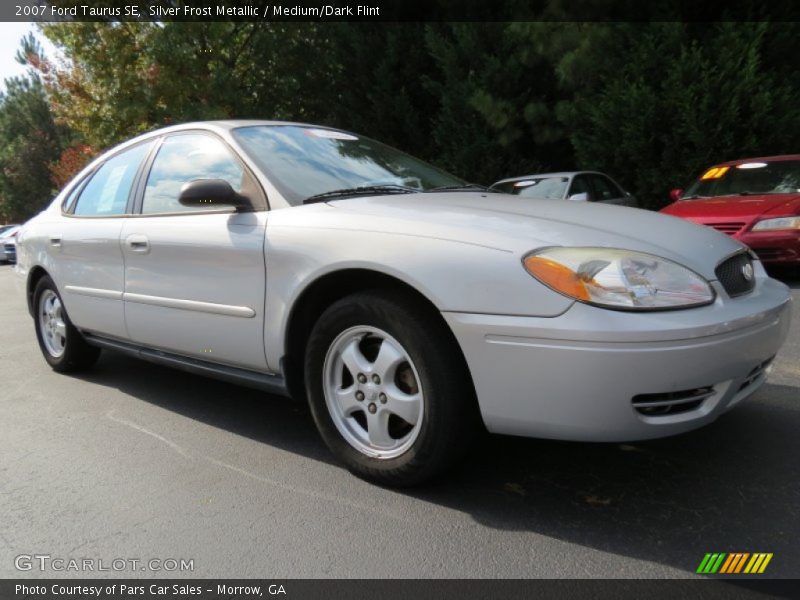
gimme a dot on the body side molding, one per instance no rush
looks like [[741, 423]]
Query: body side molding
[[194, 305], [178, 303], [93, 292]]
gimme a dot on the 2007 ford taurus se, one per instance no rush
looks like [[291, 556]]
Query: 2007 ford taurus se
[[407, 306]]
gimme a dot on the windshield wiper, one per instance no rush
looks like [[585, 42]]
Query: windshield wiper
[[366, 190], [466, 187], [694, 197], [749, 193]]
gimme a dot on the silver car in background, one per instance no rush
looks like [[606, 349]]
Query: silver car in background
[[8, 236], [578, 186], [407, 307]]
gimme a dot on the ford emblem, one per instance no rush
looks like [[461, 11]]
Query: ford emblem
[[747, 272]]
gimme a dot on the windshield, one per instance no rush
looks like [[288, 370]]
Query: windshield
[[757, 177], [543, 188], [306, 161]]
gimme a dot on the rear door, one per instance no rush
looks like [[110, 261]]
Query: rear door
[[195, 279], [85, 244]]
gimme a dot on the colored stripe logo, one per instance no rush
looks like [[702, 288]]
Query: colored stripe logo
[[734, 562]]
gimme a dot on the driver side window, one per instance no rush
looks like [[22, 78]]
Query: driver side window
[[184, 158]]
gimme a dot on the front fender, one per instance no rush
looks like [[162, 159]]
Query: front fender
[[454, 276]]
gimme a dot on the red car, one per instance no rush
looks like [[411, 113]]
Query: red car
[[755, 200]]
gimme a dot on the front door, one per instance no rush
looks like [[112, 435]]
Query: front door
[[195, 280]]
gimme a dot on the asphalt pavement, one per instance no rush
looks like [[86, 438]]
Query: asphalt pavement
[[135, 461]]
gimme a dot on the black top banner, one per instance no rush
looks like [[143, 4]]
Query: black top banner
[[372, 11]]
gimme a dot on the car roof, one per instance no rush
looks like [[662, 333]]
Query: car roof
[[234, 123], [228, 124], [554, 174], [739, 161], [219, 126]]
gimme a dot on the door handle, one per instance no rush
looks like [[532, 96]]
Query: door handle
[[55, 240], [138, 243]]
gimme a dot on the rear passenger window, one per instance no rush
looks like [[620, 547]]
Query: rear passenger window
[[107, 192]]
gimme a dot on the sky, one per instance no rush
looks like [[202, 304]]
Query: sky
[[10, 36]]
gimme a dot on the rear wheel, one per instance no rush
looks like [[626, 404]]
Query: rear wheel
[[61, 343], [388, 388]]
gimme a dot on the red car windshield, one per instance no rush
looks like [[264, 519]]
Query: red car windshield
[[746, 179]]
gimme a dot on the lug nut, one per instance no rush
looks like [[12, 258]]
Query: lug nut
[[372, 408], [362, 378], [376, 378], [359, 395], [382, 398]]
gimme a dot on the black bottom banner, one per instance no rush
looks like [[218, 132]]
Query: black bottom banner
[[406, 589]]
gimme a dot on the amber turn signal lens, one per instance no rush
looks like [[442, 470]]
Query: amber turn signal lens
[[557, 276]]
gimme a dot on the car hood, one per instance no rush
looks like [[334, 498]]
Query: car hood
[[739, 207], [519, 225]]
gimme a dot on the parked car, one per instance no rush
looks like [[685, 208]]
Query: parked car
[[10, 250], [580, 186], [7, 247], [408, 307], [4, 228], [753, 200]]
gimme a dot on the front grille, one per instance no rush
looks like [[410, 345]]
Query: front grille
[[731, 228], [671, 403], [756, 374], [732, 274]]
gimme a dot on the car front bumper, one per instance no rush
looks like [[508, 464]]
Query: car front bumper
[[593, 374], [774, 247]]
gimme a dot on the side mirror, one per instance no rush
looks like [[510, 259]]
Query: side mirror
[[211, 192], [675, 194], [581, 197]]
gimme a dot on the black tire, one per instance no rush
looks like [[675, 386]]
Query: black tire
[[450, 413], [77, 355]]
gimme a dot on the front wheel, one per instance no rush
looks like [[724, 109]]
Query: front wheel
[[61, 343], [388, 388]]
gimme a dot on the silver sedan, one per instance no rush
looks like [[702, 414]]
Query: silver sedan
[[409, 308], [578, 186]]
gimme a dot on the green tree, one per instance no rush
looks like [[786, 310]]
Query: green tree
[[677, 98], [651, 103], [29, 142], [495, 97], [125, 78]]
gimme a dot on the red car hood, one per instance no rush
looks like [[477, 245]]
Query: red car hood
[[740, 207]]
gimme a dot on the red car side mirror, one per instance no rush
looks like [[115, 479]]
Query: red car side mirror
[[675, 194]]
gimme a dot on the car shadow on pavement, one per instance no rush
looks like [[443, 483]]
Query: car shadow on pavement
[[729, 487]]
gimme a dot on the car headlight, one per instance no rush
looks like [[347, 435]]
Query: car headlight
[[620, 279], [779, 223]]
